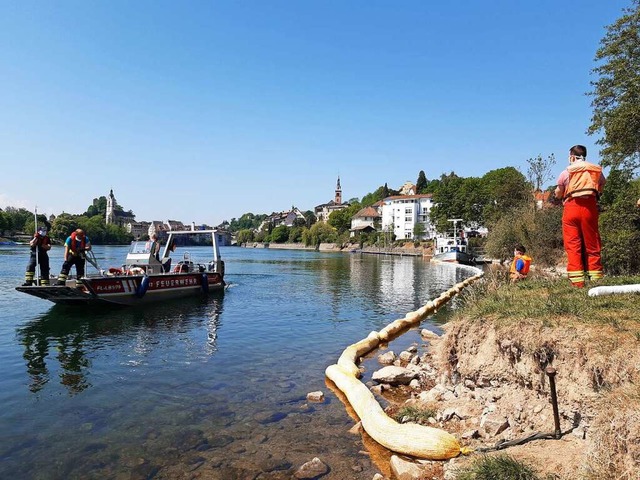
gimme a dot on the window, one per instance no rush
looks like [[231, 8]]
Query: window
[[408, 219], [408, 211]]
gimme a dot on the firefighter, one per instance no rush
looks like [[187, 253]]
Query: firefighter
[[41, 242], [579, 186], [74, 247]]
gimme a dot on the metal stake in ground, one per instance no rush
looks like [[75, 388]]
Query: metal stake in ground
[[551, 372]]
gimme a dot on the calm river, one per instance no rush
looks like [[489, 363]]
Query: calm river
[[210, 387]]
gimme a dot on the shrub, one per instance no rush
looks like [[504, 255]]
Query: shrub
[[498, 467]]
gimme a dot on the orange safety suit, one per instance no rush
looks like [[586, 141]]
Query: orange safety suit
[[580, 221]]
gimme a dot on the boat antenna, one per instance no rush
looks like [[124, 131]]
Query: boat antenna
[[35, 226]]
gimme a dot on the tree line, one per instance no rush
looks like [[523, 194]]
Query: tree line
[[14, 221]]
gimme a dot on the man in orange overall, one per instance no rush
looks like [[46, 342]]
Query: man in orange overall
[[579, 187]]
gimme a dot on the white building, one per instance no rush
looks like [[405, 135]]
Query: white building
[[401, 213], [366, 220]]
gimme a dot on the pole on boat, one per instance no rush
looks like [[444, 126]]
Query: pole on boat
[[455, 222], [35, 226]]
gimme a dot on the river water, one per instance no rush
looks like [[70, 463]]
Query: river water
[[211, 387]]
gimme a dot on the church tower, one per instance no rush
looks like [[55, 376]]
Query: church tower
[[111, 205], [338, 199]]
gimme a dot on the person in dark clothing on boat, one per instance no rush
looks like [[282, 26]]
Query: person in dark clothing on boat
[[74, 247], [153, 246], [42, 243]]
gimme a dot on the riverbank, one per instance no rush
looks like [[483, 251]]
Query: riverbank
[[485, 379], [407, 250]]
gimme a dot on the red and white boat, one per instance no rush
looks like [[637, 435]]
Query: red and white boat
[[145, 277]]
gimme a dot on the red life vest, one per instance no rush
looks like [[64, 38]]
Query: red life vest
[[74, 241], [584, 180], [527, 264]]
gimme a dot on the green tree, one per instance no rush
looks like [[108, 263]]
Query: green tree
[[620, 229], [505, 189], [540, 170], [295, 234], [98, 207], [617, 90], [319, 233], [421, 183], [341, 219], [279, 234], [62, 227], [418, 231], [3, 222], [245, 236], [449, 201], [310, 218]]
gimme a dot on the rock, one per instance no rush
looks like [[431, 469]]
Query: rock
[[415, 360], [428, 334], [433, 395], [387, 358], [494, 424], [377, 389], [537, 409], [405, 356], [313, 469], [356, 429], [412, 349], [470, 434], [448, 414], [315, 396], [377, 476], [394, 375], [415, 383], [470, 384], [404, 470]]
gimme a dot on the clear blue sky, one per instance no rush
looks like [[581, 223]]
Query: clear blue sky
[[204, 110]]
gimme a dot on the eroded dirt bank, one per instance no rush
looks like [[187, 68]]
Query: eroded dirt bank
[[487, 384]]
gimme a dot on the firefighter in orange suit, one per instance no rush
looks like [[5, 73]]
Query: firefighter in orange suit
[[579, 187]]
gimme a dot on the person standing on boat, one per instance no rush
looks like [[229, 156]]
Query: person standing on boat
[[580, 186], [153, 246], [42, 243], [74, 247], [520, 264]]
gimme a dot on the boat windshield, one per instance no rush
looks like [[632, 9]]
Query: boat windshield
[[140, 247]]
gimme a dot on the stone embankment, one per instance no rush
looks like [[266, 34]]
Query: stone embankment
[[334, 247]]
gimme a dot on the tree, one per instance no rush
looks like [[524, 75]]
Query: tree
[[505, 189], [539, 170], [310, 218], [279, 234], [616, 92], [244, 236], [341, 219], [319, 233], [421, 183]]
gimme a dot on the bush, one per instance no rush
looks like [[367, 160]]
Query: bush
[[499, 467], [620, 233], [540, 231]]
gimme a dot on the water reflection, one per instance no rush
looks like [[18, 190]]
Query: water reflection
[[70, 336]]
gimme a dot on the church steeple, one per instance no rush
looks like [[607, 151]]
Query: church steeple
[[111, 205], [338, 199]]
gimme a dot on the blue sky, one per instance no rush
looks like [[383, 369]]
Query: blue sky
[[204, 110]]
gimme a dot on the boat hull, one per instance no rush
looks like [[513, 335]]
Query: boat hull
[[461, 258], [128, 289]]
